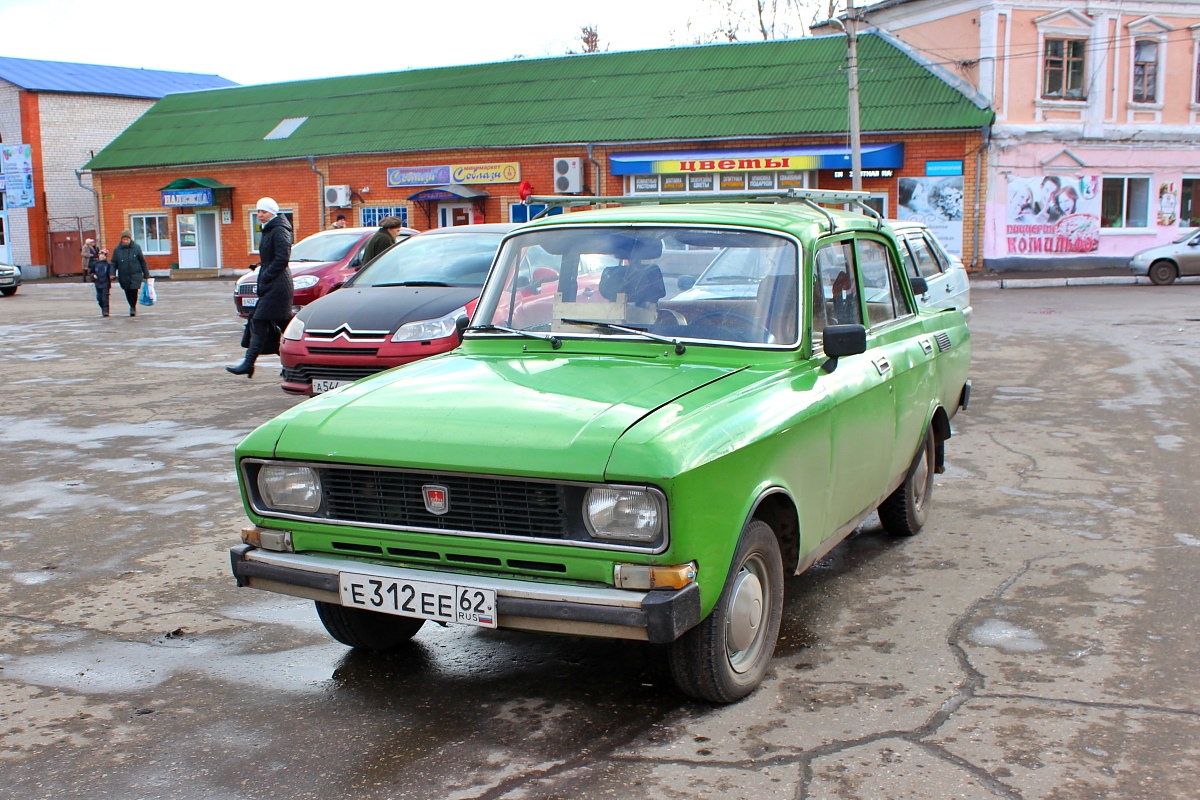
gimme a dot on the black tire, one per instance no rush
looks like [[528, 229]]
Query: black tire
[[367, 630], [905, 510], [1162, 273], [719, 660], [8, 291]]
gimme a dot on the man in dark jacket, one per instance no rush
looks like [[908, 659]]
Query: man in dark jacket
[[385, 237], [130, 267], [274, 306]]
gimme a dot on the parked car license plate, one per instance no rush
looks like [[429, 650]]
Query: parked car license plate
[[322, 385], [440, 602], [249, 302]]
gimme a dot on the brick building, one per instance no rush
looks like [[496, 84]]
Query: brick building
[[1095, 152], [453, 145], [53, 118]]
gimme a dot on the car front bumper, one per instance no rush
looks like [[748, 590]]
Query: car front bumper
[[659, 616]]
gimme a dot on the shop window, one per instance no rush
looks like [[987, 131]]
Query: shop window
[[1189, 204], [1145, 71], [256, 227], [151, 234], [519, 212], [371, 216], [1063, 70], [1125, 203]]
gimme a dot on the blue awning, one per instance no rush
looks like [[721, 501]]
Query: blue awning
[[671, 162], [453, 191]]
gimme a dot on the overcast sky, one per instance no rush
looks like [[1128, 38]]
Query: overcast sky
[[282, 40]]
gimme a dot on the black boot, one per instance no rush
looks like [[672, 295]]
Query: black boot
[[245, 368]]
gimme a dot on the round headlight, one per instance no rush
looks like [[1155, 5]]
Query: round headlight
[[625, 513], [306, 282], [290, 488]]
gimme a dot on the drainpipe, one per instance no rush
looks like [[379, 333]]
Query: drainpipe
[[96, 197], [312, 164], [979, 184], [596, 165]]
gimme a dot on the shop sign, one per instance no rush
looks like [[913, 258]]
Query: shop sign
[[673, 183], [506, 172], [874, 156], [17, 163], [172, 198], [1053, 215], [935, 169], [701, 183], [865, 173]]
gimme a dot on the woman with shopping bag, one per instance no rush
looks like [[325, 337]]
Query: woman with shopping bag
[[131, 269], [274, 306]]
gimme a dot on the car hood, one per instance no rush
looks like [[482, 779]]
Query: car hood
[[383, 308], [295, 267], [551, 416]]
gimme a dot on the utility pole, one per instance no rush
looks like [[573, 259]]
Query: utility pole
[[852, 70]]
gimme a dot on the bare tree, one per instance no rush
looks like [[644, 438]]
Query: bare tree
[[743, 20], [589, 39]]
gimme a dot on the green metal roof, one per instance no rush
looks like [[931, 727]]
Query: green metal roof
[[778, 88]]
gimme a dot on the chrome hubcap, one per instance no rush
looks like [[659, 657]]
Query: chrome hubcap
[[745, 615]]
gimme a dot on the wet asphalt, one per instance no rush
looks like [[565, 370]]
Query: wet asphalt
[[1036, 640]]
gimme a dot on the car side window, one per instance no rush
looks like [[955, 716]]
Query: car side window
[[926, 261], [881, 285], [910, 264], [839, 288]]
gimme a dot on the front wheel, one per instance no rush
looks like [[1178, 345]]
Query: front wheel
[[1162, 273], [905, 510], [366, 630], [8, 291], [725, 657]]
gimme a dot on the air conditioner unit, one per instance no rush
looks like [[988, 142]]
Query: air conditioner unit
[[568, 176], [337, 196]]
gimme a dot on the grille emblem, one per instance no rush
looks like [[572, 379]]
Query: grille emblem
[[437, 498]]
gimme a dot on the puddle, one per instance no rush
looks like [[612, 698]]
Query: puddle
[[1007, 637]]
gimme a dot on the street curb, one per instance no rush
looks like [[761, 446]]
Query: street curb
[[1044, 283]]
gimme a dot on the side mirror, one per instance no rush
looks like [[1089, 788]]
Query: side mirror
[[842, 340], [685, 282], [460, 325], [919, 285]]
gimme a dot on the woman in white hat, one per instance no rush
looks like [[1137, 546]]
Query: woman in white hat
[[274, 306]]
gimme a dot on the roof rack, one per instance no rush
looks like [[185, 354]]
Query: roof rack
[[809, 197]]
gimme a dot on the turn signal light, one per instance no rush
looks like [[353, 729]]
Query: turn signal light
[[645, 577], [279, 541]]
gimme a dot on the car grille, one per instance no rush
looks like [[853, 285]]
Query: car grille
[[303, 373], [342, 351], [476, 504], [245, 289]]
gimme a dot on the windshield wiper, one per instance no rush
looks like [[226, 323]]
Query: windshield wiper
[[680, 349], [554, 341], [413, 283], [305, 260]]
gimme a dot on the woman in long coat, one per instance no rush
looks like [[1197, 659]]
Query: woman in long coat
[[274, 306], [130, 266]]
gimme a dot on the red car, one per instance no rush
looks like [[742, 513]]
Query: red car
[[404, 306], [320, 263]]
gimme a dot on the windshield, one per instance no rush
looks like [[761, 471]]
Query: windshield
[[325, 247], [704, 284], [449, 259], [1183, 238]]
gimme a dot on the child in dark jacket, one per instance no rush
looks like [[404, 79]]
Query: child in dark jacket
[[102, 273]]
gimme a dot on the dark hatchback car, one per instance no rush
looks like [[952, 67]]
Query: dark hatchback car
[[404, 306], [320, 263]]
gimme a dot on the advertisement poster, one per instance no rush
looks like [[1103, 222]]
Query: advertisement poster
[[1053, 214], [17, 163], [1168, 203], [938, 202]]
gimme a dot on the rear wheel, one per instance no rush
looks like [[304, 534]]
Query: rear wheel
[[367, 630], [725, 657], [1162, 273], [906, 509]]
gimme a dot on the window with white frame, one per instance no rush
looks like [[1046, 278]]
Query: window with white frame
[[256, 227], [1063, 69], [1145, 71], [151, 234], [1125, 203], [371, 216], [1189, 203]]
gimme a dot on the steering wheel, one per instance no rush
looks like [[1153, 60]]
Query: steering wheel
[[752, 332]]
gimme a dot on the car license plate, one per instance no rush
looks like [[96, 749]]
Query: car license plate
[[321, 385], [249, 302], [440, 602]]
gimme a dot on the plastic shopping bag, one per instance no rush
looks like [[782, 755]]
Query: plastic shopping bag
[[148, 295]]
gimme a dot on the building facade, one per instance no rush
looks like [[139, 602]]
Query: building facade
[[1095, 152], [54, 117], [456, 145]]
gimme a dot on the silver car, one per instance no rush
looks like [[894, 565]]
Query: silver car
[[944, 273], [10, 279], [1163, 264]]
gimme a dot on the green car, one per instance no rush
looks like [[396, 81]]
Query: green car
[[657, 412]]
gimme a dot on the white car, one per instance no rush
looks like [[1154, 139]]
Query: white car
[[944, 273], [10, 279]]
